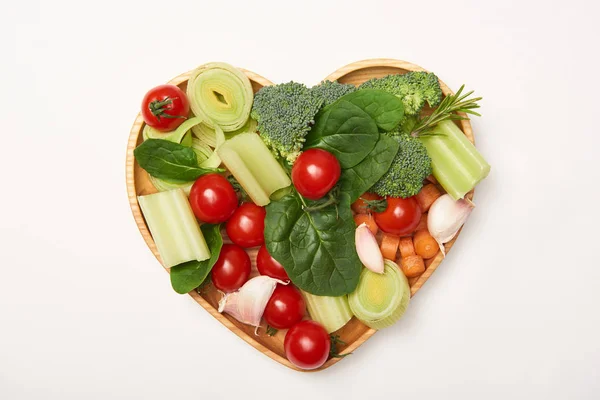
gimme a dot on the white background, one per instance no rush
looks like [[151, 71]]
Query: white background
[[86, 312]]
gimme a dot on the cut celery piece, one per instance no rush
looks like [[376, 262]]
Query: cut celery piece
[[174, 227], [457, 165], [254, 166], [242, 174], [331, 312], [178, 135]]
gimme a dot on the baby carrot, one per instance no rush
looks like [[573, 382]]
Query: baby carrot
[[425, 244], [428, 194], [412, 266], [406, 246], [367, 219], [389, 246]]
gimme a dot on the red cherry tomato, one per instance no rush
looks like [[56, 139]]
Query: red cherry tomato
[[269, 266], [401, 216], [307, 345], [213, 199], [315, 172], [165, 107], [285, 307], [246, 227], [232, 269]]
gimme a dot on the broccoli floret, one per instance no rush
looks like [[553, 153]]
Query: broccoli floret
[[408, 170], [285, 113], [413, 88], [331, 91]]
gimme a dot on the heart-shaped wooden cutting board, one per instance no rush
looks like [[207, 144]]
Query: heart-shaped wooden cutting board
[[354, 333]]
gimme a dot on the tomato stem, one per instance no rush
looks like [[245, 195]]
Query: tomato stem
[[159, 108], [331, 200]]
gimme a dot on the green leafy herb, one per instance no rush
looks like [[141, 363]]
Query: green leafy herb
[[271, 331], [357, 180], [315, 248], [344, 130], [349, 128], [333, 350], [386, 109], [167, 160], [447, 111], [188, 276]]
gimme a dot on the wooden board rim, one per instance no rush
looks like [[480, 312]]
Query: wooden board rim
[[141, 224]]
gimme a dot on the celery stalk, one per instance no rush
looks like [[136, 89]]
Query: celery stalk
[[254, 166], [457, 165], [331, 312], [174, 227]]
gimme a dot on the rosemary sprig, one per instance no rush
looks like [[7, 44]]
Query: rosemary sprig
[[447, 111]]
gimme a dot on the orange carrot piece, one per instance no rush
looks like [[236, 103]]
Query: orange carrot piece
[[389, 246], [422, 222], [406, 247], [425, 244], [412, 266], [428, 194], [432, 179], [367, 219]]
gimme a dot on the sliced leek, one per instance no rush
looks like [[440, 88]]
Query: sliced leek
[[331, 312], [253, 166], [208, 135], [177, 136], [174, 227], [215, 160], [221, 95], [380, 300]]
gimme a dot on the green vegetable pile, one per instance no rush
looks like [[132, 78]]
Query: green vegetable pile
[[384, 138]]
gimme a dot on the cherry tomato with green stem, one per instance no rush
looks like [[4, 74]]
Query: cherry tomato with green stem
[[401, 216], [165, 107]]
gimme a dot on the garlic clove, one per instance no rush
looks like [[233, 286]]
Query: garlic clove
[[368, 249], [247, 305], [445, 218]]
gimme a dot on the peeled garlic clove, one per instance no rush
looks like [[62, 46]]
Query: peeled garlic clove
[[445, 218], [368, 249], [248, 304]]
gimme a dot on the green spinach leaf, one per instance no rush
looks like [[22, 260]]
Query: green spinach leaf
[[386, 109], [344, 130], [317, 248], [357, 180], [188, 276], [167, 160]]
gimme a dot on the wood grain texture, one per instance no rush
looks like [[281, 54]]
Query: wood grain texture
[[354, 333]]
